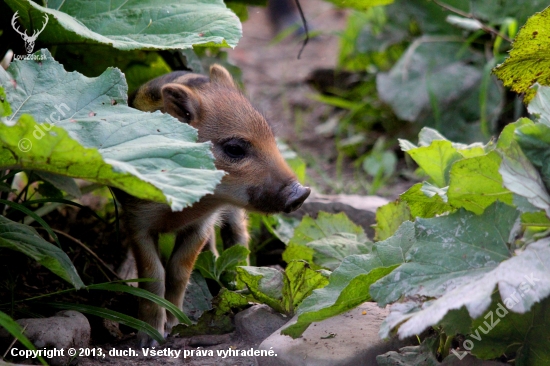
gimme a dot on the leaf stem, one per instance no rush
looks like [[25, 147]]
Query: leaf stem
[[485, 27]]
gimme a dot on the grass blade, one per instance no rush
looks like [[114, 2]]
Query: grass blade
[[146, 295], [37, 218], [111, 315], [15, 330]]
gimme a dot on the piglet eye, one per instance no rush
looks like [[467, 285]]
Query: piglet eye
[[235, 149]]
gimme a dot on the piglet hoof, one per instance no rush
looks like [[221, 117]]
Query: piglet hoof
[[145, 341]]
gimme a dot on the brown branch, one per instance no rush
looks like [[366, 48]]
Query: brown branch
[[485, 27]]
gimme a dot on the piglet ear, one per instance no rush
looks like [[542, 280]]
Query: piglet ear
[[180, 102], [220, 75]]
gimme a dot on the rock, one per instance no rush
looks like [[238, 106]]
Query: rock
[[360, 209], [349, 339], [64, 330], [258, 322]]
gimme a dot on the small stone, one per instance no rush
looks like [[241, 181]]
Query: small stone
[[66, 329]]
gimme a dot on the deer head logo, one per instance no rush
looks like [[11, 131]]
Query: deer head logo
[[29, 40]]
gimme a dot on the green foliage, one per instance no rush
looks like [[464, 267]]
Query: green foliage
[[283, 291], [472, 287], [57, 125], [133, 25], [360, 4], [349, 284], [110, 315], [528, 62], [106, 136], [198, 298], [380, 164], [143, 294], [432, 67], [437, 83], [480, 241], [222, 269], [424, 200], [217, 319], [522, 333], [388, 219], [435, 160], [138, 66], [5, 109], [464, 253], [25, 239], [7, 323], [325, 241], [475, 183]]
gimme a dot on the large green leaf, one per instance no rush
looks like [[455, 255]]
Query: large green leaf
[[449, 251], [149, 155], [25, 239], [423, 205], [522, 281], [313, 239], [264, 283], [137, 24], [329, 252], [436, 160], [534, 140], [427, 136], [539, 106], [138, 66], [438, 83], [198, 298], [298, 283], [389, 218], [349, 284], [476, 183], [283, 291], [528, 62], [518, 173]]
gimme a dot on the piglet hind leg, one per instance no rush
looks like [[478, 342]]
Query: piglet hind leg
[[149, 266], [189, 243]]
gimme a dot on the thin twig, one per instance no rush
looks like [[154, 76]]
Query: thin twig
[[86, 248], [304, 22], [485, 27], [12, 343]]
